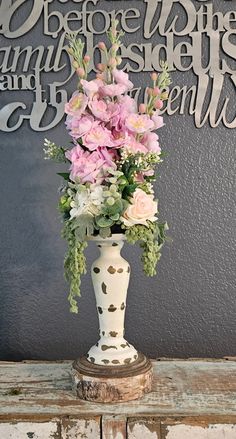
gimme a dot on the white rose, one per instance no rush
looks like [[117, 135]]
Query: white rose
[[142, 208]]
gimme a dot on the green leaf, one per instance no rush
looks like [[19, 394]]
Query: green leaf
[[117, 207], [128, 190], [103, 221], [64, 175], [131, 173], [122, 182], [115, 217], [105, 232], [125, 168], [83, 226]]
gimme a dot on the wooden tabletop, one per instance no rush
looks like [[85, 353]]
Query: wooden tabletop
[[180, 388]]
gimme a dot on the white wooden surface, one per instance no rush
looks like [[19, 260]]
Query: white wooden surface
[[189, 400], [195, 432]]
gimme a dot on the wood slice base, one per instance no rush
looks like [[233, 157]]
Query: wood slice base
[[93, 382]]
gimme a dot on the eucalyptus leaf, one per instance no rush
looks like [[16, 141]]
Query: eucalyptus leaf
[[115, 217], [115, 208], [103, 221], [105, 232]]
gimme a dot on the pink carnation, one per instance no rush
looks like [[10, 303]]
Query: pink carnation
[[76, 104], [139, 123], [122, 78]]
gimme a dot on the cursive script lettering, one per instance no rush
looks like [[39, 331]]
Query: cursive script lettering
[[197, 39]]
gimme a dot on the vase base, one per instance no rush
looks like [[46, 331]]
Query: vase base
[[99, 383]]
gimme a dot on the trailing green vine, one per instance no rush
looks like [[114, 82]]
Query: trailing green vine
[[151, 240], [74, 263]]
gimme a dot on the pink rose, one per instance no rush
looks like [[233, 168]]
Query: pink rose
[[76, 104], [158, 120], [78, 127], [139, 123], [122, 78], [142, 208], [150, 140], [97, 136]]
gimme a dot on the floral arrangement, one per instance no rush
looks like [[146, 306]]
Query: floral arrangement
[[109, 186]]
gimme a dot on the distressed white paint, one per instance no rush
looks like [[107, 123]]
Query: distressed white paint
[[179, 389], [82, 428], [29, 430], [141, 431], [220, 431], [114, 427], [110, 276]]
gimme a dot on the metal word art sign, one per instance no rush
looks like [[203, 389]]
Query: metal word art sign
[[190, 34]]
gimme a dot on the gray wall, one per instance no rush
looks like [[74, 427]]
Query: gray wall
[[188, 309]]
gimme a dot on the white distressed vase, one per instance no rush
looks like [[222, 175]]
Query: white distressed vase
[[110, 276]]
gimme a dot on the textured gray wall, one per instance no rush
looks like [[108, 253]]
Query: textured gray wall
[[188, 309]]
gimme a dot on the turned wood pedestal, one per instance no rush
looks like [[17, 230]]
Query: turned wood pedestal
[[99, 383]]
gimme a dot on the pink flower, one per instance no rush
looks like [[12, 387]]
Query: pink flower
[[75, 153], [143, 208], [84, 169], [158, 120], [92, 167], [122, 78], [112, 90], [76, 104], [150, 140], [78, 127], [139, 177], [132, 145], [97, 136], [109, 156], [128, 103], [139, 123], [99, 109], [121, 111], [89, 87]]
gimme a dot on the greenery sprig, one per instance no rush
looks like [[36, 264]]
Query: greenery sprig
[[151, 240], [74, 263]]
